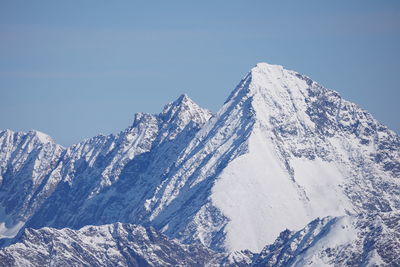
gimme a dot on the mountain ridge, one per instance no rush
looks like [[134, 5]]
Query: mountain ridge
[[362, 240]]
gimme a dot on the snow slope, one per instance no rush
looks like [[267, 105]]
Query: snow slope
[[363, 240], [281, 152]]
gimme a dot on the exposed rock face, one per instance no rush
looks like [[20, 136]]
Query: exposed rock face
[[26, 161], [107, 245]]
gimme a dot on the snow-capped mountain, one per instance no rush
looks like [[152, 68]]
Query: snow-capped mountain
[[363, 240], [26, 160], [281, 152]]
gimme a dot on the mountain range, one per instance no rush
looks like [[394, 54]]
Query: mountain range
[[286, 173]]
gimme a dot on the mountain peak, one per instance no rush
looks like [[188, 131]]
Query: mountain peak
[[267, 73], [32, 135], [272, 77], [263, 78], [183, 98], [271, 89], [185, 109], [42, 137], [266, 67], [178, 114], [183, 102]]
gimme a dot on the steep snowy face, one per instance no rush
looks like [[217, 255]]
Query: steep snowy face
[[282, 151], [310, 154], [181, 205], [26, 159], [363, 240], [107, 178]]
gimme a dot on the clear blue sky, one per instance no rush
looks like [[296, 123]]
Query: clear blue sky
[[73, 69]]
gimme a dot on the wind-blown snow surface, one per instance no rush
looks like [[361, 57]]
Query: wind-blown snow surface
[[280, 152]]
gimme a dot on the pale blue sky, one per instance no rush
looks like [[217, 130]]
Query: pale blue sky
[[73, 69]]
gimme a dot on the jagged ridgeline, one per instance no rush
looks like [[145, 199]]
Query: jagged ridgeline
[[283, 152]]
